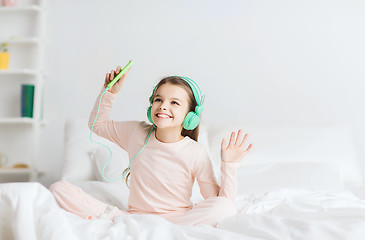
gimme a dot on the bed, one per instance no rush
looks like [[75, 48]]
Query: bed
[[297, 183]]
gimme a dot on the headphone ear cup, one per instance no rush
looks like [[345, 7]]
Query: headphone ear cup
[[149, 114], [191, 121]]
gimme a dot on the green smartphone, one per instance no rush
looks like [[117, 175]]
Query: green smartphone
[[120, 74]]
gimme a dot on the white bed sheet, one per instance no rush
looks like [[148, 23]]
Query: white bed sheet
[[29, 211]]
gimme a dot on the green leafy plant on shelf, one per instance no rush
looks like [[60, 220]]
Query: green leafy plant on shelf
[[4, 47]]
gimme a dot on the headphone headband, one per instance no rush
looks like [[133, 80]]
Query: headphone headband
[[194, 88]]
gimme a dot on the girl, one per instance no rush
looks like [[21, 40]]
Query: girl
[[162, 175]]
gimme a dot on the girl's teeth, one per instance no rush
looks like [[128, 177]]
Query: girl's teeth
[[163, 116]]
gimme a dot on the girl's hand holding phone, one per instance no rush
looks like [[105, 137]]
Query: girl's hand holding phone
[[118, 85], [235, 151]]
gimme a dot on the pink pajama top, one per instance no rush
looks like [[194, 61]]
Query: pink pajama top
[[162, 176]]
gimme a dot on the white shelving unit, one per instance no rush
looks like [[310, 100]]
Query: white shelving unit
[[22, 27]]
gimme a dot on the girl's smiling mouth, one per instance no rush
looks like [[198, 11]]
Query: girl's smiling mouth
[[163, 115]]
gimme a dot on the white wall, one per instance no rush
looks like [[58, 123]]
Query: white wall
[[263, 62]]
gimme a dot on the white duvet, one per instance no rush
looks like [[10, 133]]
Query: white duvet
[[29, 211]]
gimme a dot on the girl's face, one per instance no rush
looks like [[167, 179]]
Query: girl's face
[[170, 106]]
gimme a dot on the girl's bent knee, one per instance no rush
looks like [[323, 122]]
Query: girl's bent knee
[[62, 186], [56, 186], [220, 206], [225, 206]]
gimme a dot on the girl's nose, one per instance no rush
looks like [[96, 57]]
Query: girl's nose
[[163, 106]]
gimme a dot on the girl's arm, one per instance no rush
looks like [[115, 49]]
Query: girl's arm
[[231, 157], [114, 131]]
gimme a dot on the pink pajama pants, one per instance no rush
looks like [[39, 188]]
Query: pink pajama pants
[[73, 199]]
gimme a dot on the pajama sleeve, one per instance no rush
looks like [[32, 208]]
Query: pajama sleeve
[[228, 180], [207, 182], [117, 132]]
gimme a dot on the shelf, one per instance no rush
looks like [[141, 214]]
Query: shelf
[[28, 72], [21, 40], [31, 8], [17, 120], [14, 170], [15, 174], [21, 120]]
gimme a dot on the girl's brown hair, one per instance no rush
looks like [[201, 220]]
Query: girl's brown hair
[[175, 80]]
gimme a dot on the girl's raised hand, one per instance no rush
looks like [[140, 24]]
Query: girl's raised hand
[[235, 150], [118, 85]]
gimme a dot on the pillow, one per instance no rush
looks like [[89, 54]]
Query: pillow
[[116, 191], [314, 176], [204, 140], [76, 160], [118, 161], [203, 135], [332, 144]]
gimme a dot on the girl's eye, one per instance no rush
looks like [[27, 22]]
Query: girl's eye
[[157, 100], [173, 102]]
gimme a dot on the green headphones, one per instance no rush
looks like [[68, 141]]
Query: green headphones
[[192, 119]]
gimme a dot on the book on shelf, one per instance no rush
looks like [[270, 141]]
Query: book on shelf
[[27, 99]]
